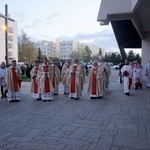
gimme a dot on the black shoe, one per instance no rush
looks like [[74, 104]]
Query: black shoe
[[16, 100], [93, 97], [11, 101], [2, 96], [141, 87], [38, 99], [55, 94], [44, 100], [72, 97], [127, 93], [65, 93], [100, 97], [136, 88], [76, 98]]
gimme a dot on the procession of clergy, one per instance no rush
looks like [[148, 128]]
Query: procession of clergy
[[45, 79]]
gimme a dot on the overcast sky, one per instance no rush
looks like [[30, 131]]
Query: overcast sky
[[61, 19]]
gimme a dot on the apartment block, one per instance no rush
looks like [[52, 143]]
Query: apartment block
[[12, 39]]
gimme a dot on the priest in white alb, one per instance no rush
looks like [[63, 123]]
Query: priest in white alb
[[147, 73], [65, 76], [94, 88], [13, 81], [127, 75], [76, 80], [137, 75], [55, 77], [44, 81], [35, 87]]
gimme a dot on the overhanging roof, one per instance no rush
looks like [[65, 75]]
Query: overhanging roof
[[126, 34]]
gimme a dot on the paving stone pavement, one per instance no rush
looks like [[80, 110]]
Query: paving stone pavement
[[116, 122]]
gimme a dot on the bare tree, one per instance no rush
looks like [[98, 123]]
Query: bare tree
[[27, 51]]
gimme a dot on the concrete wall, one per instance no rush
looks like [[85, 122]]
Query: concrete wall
[[133, 3], [145, 51], [2, 40], [114, 7]]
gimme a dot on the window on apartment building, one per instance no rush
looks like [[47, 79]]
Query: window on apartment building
[[10, 54], [10, 29]]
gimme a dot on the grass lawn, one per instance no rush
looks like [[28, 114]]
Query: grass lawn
[[25, 78]]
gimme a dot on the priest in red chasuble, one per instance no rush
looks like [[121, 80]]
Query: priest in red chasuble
[[55, 77], [65, 76], [76, 79], [44, 81], [35, 88], [94, 88], [13, 81]]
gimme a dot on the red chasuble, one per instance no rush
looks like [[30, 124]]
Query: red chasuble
[[46, 81], [73, 80], [94, 81], [15, 79], [34, 81], [53, 67]]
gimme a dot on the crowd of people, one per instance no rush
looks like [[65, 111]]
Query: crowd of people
[[45, 79]]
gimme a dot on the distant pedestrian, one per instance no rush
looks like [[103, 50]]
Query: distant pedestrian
[[126, 71], [147, 73]]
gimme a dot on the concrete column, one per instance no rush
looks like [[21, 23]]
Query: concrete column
[[145, 52]]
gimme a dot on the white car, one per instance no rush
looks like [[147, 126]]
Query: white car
[[116, 67]]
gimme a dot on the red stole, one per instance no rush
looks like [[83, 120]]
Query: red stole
[[94, 80], [34, 80], [73, 80], [15, 79], [46, 81], [54, 77]]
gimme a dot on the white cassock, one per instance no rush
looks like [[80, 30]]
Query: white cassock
[[147, 73], [129, 69]]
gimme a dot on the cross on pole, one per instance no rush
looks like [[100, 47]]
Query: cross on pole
[[6, 34]]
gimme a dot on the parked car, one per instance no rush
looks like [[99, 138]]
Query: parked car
[[116, 67]]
